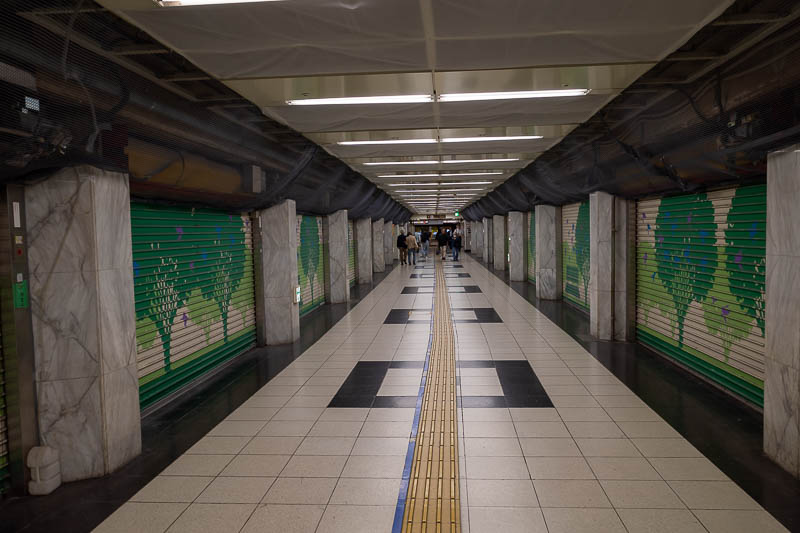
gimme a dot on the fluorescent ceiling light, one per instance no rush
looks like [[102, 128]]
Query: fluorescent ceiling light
[[179, 3], [511, 95], [459, 174], [350, 100], [486, 139], [441, 190], [441, 183], [390, 141], [409, 176], [496, 160], [376, 163]]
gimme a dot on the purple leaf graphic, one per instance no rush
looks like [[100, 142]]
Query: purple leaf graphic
[[645, 258], [191, 265], [644, 216], [725, 313], [689, 218], [179, 231], [185, 319]]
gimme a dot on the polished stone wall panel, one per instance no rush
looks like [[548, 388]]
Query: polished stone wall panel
[[363, 236], [83, 317], [499, 247], [378, 253], [388, 244], [548, 252], [337, 284], [782, 320], [601, 265], [277, 313], [518, 244]]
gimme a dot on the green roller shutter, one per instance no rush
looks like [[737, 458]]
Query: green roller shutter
[[310, 266], [4, 474], [575, 253], [351, 254], [531, 247], [700, 283], [195, 293]]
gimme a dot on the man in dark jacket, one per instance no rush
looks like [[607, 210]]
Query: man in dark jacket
[[425, 240], [441, 240], [401, 245], [456, 246]]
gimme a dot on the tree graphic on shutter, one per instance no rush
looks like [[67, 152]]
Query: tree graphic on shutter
[[582, 246], [686, 251], [164, 299], [747, 258], [227, 268], [309, 237]]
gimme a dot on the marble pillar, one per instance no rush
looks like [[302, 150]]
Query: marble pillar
[[478, 228], [518, 246], [488, 238], [277, 312], [782, 379], [500, 242], [624, 269], [378, 255], [337, 286], [363, 237], [548, 252], [601, 265], [84, 319], [388, 244]]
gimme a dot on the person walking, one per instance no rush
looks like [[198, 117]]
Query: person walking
[[411, 246], [441, 240], [401, 245], [456, 246], [425, 239]]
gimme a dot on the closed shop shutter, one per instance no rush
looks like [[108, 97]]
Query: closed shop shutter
[[700, 283], [195, 293], [351, 254], [4, 474], [531, 247], [310, 264], [575, 253]]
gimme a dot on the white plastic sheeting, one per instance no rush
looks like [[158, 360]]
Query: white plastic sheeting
[[313, 37]]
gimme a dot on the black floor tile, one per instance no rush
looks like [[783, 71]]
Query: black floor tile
[[362, 385], [482, 401], [407, 364], [475, 364], [521, 387], [529, 401], [403, 316], [483, 315], [395, 401]]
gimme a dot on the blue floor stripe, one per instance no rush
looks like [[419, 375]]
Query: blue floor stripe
[[397, 525]]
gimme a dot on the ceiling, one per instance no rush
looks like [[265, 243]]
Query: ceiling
[[430, 154]]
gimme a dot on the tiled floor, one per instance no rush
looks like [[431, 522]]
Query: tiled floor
[[594, 459]]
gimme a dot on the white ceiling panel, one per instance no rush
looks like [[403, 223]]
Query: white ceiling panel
[[275, 52]]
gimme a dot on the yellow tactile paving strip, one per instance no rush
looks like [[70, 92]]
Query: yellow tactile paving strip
[[433, 494]]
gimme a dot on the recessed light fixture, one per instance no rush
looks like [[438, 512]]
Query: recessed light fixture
[[440, 190], [511, 95], [179, 3], [353, 100], [496, 160], [487, 139], [389, 141]]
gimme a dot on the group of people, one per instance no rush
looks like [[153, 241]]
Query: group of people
[[409, 246]]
